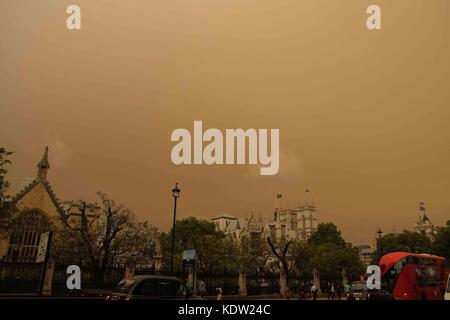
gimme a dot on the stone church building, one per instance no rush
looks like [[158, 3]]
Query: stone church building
[[37, 208], [287, 224]]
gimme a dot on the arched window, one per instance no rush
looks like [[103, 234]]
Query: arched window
[[24, 241]]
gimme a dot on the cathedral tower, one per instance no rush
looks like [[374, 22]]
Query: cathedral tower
[[43, 166]]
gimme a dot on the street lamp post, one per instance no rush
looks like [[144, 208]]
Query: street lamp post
[[175, 194]]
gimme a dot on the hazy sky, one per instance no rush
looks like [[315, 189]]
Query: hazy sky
[[363, 115]]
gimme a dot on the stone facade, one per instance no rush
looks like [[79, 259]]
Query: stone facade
[[293, 224], [423, 223], [288, 224], [365, 253], [37, 208], [237, 228]]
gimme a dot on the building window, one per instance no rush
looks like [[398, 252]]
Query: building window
[[294, 225], [255, 240], [273, 232], [24, 241], [283, 233]]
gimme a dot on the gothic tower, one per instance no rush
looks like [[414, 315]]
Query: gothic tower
[[43, 166]]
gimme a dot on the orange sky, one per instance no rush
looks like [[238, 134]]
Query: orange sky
[[363, 116]]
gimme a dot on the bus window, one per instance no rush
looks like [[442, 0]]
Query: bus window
[[426, 277], [390, 278], [397, 268]]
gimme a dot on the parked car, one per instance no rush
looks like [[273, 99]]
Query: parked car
[[447, 291], [151, 287], [359, 291]]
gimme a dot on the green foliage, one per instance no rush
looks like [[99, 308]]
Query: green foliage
[[6, 211], [327, 252], [407, 241], [215, 252], [442, 241], [253, 255], [327, 233], [68, 247], [302, 254], [4, 161]]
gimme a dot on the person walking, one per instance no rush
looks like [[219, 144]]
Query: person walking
[[219, 293], [314, 292], [201, 288], [331, 293], [347, 288], [189, 285], [329, 290]]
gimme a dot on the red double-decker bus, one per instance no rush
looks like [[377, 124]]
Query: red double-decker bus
[[411, 276]]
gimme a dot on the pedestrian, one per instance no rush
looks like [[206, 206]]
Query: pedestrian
[[201, 288], [314, 291], [331, 293], [219, 293], [347, 289], [189, 285], [329, 290]]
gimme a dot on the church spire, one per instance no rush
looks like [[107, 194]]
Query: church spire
[[43, 166]]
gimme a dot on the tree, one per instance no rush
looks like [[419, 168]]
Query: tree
[[4, 184], [215, 251], [327, 233], [407, 241], [280, 251], [330, 260], [105, 234], [348, 260], [137, 243], [442, 241], [327, 252], [68, 247], [6, 210], [253, 254], [302, 254]]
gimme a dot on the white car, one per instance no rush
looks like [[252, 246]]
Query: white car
[[447, 292]]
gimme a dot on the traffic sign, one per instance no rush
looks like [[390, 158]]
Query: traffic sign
[[43, 244], [188, 255]]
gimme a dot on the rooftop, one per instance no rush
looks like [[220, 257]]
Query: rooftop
[[224, 216]]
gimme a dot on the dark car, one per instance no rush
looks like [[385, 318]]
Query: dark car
[[359, 291], [151, 287]]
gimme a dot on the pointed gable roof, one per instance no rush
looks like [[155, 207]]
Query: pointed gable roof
[[48, 188], [43, 163], [233, 226]]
